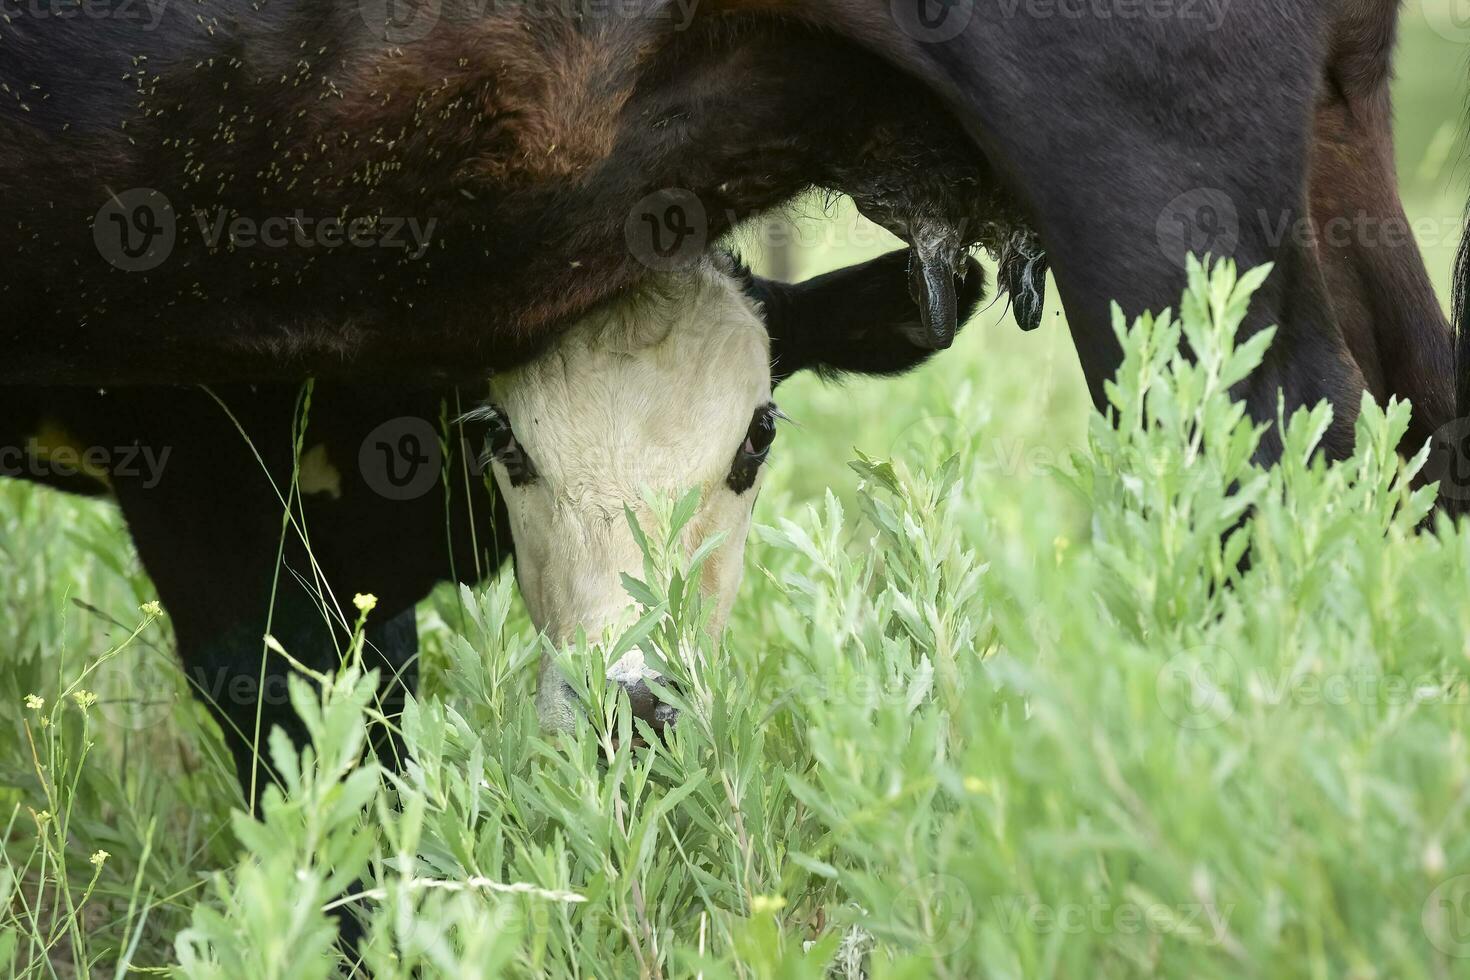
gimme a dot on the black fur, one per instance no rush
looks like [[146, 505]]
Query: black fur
[[527, 140], [860, 320], [1099, 126]]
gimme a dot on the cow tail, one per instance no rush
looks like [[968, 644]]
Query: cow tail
[[1460, 303]]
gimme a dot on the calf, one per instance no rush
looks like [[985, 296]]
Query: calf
[[666, 391], [666, 387]]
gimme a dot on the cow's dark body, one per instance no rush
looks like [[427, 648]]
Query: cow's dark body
[[528, 137], [209, 527], [527, 140], [1097, 124]]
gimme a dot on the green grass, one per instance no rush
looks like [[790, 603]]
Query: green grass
[[985, 707]]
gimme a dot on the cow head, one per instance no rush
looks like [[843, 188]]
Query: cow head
[[663, 390]]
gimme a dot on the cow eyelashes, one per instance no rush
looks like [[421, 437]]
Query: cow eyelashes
[[754, 450], [502, 447]]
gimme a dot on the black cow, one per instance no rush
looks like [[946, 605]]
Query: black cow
[[531, 146], [1260, 129], [271, 193]]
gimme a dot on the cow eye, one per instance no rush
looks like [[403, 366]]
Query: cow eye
[[502, 447], [754, 450]]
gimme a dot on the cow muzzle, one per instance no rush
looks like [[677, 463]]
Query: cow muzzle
[[635, 677], [559, 706]]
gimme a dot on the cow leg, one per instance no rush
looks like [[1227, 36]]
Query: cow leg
[[1132, 139], [1379, 286], [372, 515], [1160, 182], [208, 526], [1126, 242], [245, 685]]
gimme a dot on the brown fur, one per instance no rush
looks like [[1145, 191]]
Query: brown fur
[[1377, 283], [527, 140]]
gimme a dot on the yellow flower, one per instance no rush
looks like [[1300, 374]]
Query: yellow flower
[[365, 602], [762, 904], [152, 608], [84, 699], [98, 858], [34, 702]]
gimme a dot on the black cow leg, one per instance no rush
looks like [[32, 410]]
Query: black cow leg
[[1134, 141], [245, 685], [204, 506]]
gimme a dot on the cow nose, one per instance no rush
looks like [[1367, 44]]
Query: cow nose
[[645, 704]]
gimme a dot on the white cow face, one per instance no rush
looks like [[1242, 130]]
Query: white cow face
[[668, 389]]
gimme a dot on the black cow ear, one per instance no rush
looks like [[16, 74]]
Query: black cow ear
[[861, 320]]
